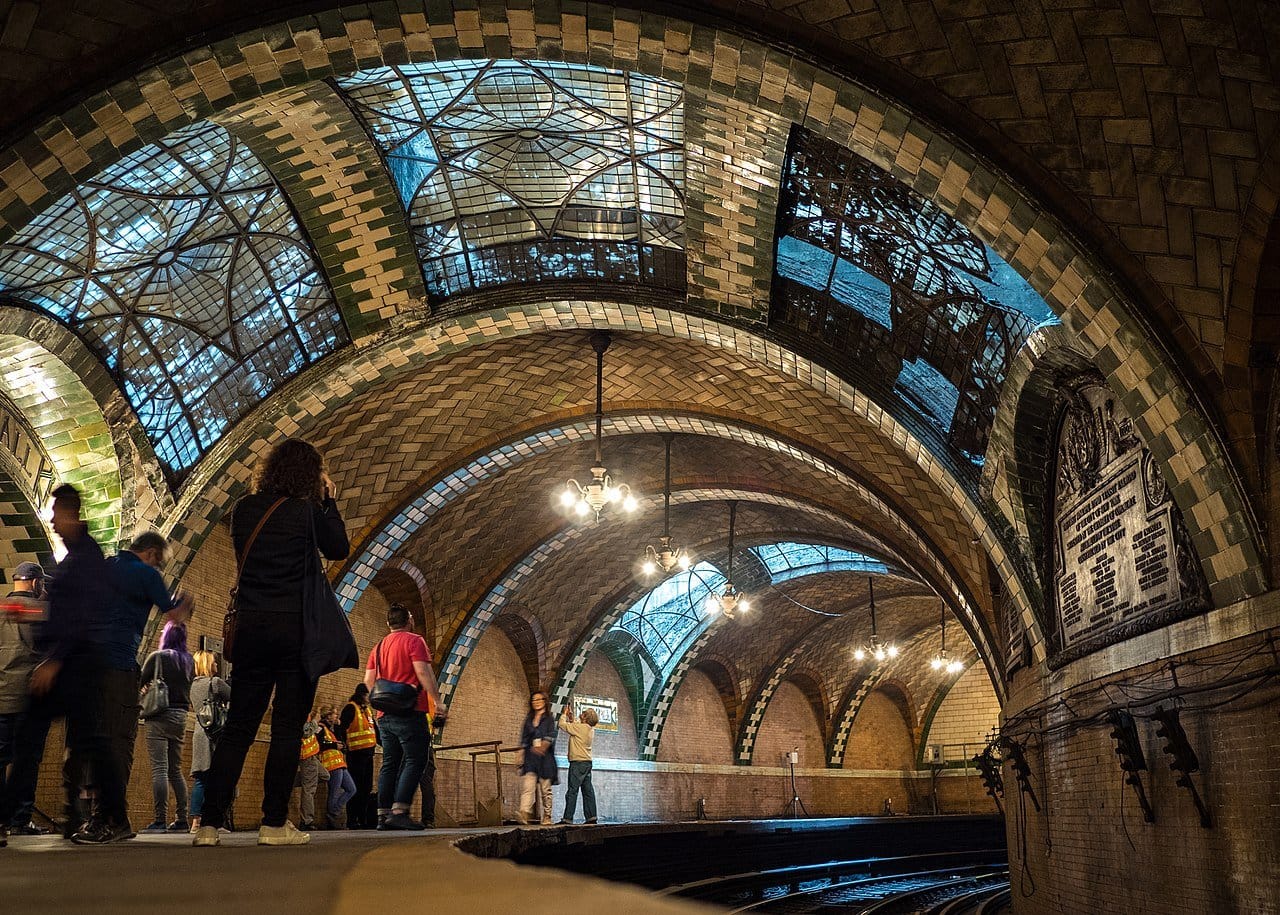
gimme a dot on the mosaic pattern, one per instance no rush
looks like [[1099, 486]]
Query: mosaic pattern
[[840, 737], [184, 269], [786, 561], [521, 171], [751, 723], [891, 282]]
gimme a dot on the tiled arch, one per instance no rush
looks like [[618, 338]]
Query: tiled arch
[[207, 80], [85, 425]]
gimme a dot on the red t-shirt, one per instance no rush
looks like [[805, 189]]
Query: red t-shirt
[[394, 660]]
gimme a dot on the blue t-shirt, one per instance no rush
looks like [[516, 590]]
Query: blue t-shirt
[[137, 588]]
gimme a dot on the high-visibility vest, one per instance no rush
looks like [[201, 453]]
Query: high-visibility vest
[[310, 747], [360, 732], [331, 758]]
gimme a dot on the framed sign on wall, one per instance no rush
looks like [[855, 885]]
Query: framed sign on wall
[[606, 709]]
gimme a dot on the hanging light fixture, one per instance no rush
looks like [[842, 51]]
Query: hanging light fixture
[[601, 491], [666, 557], [940, 661], [876, 649], [729, 601]]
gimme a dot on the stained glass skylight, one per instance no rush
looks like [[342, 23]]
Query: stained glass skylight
[[792, 560], [665, 618], [184, 269], [521, 171], [892, 283]]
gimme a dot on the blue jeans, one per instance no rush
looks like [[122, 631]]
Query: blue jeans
[[342, 788], [405, 741], [580, 778], [197, 793]]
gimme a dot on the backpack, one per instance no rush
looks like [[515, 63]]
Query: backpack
[[212, 715]]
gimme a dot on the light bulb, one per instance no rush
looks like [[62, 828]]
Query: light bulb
[[582, 508], [712, 606], [567, 498], [683, 561], [955, 667], [893, 651], [649, 567], [879, 655], [630, 503], [744, 605], [936, 663], [859, 654]]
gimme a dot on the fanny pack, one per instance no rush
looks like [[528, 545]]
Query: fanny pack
[[391, 696]]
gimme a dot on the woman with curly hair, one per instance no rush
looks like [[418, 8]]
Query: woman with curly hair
[[293, 512]]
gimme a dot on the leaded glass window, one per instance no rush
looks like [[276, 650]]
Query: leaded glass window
[[521, 171], [792, 560], [893, 284], [184, 269], [665, 618]]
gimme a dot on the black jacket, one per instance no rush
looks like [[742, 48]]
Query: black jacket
[[272, 581]]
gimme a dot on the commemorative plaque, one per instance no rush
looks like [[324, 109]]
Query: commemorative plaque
[[1122, 561]]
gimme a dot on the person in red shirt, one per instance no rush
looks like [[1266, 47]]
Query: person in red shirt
[[403, 657]]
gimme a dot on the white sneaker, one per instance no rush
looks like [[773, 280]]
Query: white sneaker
[[205, 836], [288, 834]]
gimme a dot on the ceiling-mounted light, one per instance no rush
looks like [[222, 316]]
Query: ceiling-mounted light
[[941, 662], [601, 491], [876, 649], [665, 556], [730, 601]]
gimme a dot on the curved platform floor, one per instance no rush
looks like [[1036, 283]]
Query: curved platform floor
[[339, 873], [354, 873]]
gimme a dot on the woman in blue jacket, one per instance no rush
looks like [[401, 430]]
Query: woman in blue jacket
[[538, 765]]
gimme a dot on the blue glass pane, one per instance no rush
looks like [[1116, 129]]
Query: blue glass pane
[[522, 171], [183, 267], [791, 560], [898, 288], [665, 618]]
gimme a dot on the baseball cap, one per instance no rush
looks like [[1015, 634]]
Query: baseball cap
[[27, 571]]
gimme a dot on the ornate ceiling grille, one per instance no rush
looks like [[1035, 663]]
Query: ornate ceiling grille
[[184, 269], [892, 283], [516, 171], [665, 618]]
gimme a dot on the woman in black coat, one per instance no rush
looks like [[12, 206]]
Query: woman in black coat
[[296, 496]]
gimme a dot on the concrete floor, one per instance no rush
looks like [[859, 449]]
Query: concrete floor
[[343, 873]]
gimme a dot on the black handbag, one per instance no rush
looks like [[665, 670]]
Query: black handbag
[[391, 696], [328, 643]]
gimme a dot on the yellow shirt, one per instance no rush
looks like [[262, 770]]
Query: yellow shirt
[[580, 737]]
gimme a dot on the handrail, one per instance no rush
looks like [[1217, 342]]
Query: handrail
[[475, 750]]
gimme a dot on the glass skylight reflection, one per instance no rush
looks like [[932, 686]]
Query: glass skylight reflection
[[892, 283], [521, 171], [184, 269], [664, 620]]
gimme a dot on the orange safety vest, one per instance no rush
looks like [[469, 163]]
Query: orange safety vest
[[332, 758], [310, 747], [360, 733]]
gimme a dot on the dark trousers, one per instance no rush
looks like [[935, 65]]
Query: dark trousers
[[362, 811], [17, 802], [580, 778], [76, 697], [120, 716], [428, 783], [405, 739], [268, 660]]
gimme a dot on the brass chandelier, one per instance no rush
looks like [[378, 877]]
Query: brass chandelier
[[665, 556], [601, 491], [880, 651]]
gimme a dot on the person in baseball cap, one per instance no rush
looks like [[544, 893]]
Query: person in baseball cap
[[23, 610]]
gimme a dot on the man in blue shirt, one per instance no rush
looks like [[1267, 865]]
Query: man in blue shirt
[[137, 586]]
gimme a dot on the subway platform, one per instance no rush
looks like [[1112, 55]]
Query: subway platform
[[463, 870]]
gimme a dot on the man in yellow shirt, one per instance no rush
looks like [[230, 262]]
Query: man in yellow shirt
[[581, 734]]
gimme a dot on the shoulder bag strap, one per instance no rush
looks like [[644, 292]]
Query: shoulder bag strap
[[252, 537]]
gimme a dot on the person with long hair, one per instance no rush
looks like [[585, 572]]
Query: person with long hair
[[206, 687], [293, 512], [173, 665], [538, 763]]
